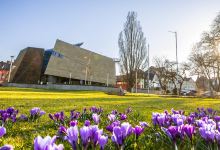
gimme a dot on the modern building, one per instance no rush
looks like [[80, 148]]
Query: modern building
[[64, 64]]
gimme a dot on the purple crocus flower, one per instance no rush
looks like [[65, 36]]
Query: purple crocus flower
[[56, 116], [2, 131], [126, 129], [93, 109], [73, 123], [51, 116], [42, 113], [59, 116], [189, 130], [10, 110], [120, 133], [138, 130], [74, 115], [207, 131], [129, 110], [217, 137], [111, 117], [112, 125], [161, 118], [87, 123], [7, 147], [217, 118], [218, 125], [34, 111], [123, 116], [96, 118], [200, 123], [85, 134], [62, 116], [178, 119], [173, 132], [40, 143], [143, 124], [96, 136], [114, 112], [210, 110], [55, 147], [103, 141], [117, 136], [190, 120], [23, 117], [62, 130], [46, 143], [95, 133], [110, 128], [72, 136]]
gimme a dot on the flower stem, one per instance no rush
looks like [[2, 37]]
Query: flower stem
[[176, 148]]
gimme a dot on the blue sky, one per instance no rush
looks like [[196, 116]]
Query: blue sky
[[97, 23]]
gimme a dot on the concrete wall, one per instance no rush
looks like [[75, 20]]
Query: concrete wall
[[64, 87]]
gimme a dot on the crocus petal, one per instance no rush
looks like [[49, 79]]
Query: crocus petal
[[2, 131], [7, 147], [72, 134], [103, 141]]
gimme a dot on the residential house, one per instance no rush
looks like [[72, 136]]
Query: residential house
[[4, 70]]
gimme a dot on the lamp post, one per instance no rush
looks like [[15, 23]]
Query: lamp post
[[175, 33], [148, 72], [9, 75], [116, 60]]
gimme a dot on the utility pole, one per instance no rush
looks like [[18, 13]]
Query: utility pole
[[148, 72], [10, 69]]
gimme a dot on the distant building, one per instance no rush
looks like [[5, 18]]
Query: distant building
[[4, 71], [121, 80], [64, 64], [189, 84]]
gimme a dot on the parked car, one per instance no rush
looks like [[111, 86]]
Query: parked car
[[188, 92]]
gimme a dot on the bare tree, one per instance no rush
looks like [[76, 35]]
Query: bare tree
[[161, 71], [205, 56], [132, 49], [182, 74]]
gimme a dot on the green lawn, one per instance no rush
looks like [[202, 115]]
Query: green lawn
[[22, 134]]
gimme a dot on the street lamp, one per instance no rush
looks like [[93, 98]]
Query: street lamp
[[10, 69], [174, 32], [148, 72], [116, 60]]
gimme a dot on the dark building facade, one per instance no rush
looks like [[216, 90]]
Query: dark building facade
[[28, 66], [64, 64]]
